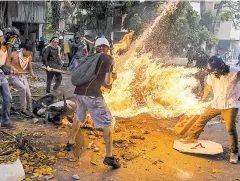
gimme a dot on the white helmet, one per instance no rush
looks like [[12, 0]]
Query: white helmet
[[1, 33], [60, 37], [101, 41]]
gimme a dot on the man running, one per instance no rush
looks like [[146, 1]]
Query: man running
[[4, 87], [19, 62], [89, 98]]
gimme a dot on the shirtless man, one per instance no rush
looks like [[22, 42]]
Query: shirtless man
[[5, 121], [19, 62]]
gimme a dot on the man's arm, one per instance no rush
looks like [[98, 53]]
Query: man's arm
[[110, 76], [45, 56], [206, 92], [30, 70]]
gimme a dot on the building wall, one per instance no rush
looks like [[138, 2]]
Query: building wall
[[37, 15]]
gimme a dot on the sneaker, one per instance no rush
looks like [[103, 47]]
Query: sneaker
[[111, 161], [8, 125], [188, 140], [26, 114], [69, 146], [233, 158]]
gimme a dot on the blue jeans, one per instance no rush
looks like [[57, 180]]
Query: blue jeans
[[7, 99]]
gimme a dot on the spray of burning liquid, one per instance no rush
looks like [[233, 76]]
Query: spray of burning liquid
[[146, 86]]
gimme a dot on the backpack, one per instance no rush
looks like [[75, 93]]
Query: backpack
[[83, 69]]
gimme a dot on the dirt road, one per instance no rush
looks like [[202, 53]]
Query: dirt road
[[150, 157]]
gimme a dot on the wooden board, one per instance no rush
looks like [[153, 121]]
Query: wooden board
[[204, 147]]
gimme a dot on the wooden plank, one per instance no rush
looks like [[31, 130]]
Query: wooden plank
[[204, 147]]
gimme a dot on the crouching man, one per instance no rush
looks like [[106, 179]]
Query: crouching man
[[89, 98], [4, 87], [19, 62], [224, 82]]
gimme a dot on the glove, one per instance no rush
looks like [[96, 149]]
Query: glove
[[6, 70], [48, 68]]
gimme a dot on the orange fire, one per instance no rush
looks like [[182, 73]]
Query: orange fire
[[145, 86]]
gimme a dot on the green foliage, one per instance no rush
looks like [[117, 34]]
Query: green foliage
[[49, 28], [138, 14], [231, 12], [55, 14]]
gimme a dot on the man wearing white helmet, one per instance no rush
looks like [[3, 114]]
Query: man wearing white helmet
[[4, 86], [89, 98]]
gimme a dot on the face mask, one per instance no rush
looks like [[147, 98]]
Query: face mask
[[102, 50]]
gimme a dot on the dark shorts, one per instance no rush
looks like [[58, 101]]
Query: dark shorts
[[97, 108]]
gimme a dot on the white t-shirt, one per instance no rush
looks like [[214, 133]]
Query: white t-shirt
[[225, 90]]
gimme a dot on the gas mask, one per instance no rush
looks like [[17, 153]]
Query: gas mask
[[102, 50]]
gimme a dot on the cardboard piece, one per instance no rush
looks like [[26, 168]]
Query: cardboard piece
[[12, 172], [204, 147]]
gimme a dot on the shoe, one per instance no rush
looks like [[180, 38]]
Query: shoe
[[8, 125], [233, 158], [188, 140], [26, 114], [112, 161], [69, 146]]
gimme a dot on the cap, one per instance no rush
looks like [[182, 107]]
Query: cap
[[101, 41]]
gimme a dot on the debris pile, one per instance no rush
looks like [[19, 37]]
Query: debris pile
[[36, 163]]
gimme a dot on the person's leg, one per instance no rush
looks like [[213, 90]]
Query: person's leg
[[198, 127], [19, 85], [102, 119], [7, 99], [107, 135], [58, 78], [69, 59], [28, 96], [49, 80], [78, 119], [229, 116]]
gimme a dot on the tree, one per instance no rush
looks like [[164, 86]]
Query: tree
[[178, 30], [139, 14], [55, 14], [3, 5], [231, 12]]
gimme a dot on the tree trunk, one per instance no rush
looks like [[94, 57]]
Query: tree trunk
[[9, 15], [2, 12], [28, 10]]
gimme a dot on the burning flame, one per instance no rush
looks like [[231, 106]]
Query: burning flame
[[145, 86]]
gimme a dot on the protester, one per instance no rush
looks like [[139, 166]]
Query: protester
[[12, 35], [76, 46], [5, 92], [61, 44], [52, 59], [19, 62], [41, 45], [89, 98], [223, 81], [70, 43]]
